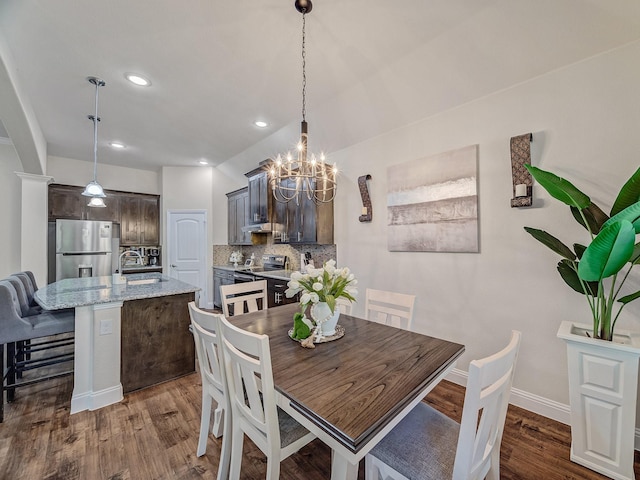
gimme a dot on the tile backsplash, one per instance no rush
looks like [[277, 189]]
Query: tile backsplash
[[319, 253]]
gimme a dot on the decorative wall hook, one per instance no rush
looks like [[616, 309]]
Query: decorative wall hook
[[522, 180], [367, 212]]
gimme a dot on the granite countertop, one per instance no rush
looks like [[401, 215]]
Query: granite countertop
[[78, 292]]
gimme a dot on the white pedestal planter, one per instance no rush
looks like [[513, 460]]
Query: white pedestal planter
[[603, 385]]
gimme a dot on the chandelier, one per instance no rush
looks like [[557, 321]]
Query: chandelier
[[302, 173], [93, 188]]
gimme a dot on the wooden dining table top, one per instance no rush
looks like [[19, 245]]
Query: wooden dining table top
[[353, 386]]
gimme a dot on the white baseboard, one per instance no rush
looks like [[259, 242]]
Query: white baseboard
[[557, 411]]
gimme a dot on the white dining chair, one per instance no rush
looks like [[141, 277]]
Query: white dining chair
[[246, 297], [247, 359], [389, 308], [428, 445], [205, 327]]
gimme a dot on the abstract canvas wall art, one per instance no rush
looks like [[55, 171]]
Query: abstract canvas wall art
[[432, 203]]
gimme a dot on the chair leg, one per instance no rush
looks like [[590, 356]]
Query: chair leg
[[218, 421], [2, 385], [11, 371], [225, 451], [205, 418], [237, 441], [273, 467], [494, 469]]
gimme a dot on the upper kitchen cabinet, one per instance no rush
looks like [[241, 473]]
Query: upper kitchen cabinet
[[67, 202], [139, 219], [303, 221], [238, 217], [260, 199]]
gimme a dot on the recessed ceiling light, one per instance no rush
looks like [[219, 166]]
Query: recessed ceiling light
[[260, 123], [203, 162], [117, 145], [137, 79]]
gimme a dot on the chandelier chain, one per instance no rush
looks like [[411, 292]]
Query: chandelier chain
[[304, 74]]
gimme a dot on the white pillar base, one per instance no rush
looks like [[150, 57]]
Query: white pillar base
[[96, 381]]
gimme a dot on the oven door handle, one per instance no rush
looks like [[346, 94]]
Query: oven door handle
[[243, 278]]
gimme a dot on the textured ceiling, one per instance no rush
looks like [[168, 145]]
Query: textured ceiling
[[216, 66]]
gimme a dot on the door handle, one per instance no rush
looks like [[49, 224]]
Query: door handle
[[174, 266]]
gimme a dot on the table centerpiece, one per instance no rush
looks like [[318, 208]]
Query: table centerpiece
[[321, 288]]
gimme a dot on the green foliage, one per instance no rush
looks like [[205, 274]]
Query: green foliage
[[599, 269]]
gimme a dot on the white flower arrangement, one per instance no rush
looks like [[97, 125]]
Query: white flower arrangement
[[236, 256], [324, 284]]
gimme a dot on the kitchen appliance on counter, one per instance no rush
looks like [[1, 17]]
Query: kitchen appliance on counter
[[154, 256], [83, 248]]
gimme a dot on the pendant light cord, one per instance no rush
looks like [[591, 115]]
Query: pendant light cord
[[304, 64], [98, 83]]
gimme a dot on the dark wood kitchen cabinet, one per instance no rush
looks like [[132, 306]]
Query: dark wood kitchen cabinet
[[137, 213], [303, 221], [139, 219], [260, 198], [67, 202], [238, 217], [275, 293]]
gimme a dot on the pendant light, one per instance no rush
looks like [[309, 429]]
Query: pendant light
[[94, 189], [304, 173]]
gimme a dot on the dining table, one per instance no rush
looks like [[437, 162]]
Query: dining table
[[350, 391]]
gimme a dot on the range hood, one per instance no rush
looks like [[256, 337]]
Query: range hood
[[258, 228]]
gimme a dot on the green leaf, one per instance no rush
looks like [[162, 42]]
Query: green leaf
[[594, 215], [628, 298], [629, 194], [552, 242], [331, 301], [608, 252], [579, 249], [559, 188], [635, 257], [631, 214], [570, 277]]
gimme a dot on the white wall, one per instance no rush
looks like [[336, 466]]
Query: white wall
[[584, 120], [190, 188], [68, 171], [10, 200]]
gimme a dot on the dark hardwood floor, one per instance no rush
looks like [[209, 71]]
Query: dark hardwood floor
[[153, 434]]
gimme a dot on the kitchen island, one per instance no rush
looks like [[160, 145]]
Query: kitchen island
[[127, 336]]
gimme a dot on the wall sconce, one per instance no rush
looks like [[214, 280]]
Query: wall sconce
[[521, 178], [367, 211]]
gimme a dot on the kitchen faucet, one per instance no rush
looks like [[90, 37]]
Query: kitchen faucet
[[128, 251]]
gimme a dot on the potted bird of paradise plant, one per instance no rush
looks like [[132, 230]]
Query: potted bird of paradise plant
[[603, 366]]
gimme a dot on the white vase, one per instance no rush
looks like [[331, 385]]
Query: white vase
[[603, 386], [322, 315]]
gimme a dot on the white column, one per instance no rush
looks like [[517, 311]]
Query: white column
[[34, 217], [96, 381]]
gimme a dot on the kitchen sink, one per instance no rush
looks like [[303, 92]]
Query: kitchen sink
[[144, 281]]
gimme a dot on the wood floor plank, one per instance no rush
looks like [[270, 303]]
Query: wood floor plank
[[153, 435]]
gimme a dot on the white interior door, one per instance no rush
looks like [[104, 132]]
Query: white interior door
[[187, 248]]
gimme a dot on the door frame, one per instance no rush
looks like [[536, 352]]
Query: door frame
[[205, 300]]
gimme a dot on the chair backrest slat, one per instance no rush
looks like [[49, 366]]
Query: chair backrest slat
[[390, 308], [244, 297]]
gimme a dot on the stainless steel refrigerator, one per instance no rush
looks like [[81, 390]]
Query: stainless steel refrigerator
[[84, 248]]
